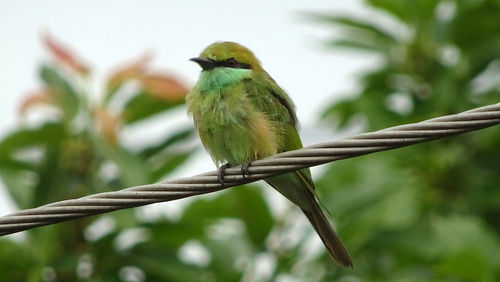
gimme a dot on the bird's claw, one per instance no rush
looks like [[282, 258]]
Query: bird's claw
[[221, 172], [244, 170]]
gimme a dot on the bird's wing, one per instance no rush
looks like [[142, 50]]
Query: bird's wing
[[273, 101], [269, 98], [297, 186]]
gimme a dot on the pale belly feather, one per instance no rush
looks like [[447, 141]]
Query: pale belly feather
[[233, 131]]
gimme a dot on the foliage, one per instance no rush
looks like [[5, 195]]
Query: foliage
[[73, 149], [430, 211]]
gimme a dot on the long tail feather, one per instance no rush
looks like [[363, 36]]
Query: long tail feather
[[300, 191], [325, 231]]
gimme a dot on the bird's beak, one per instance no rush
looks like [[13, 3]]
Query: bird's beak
[[205, 64]]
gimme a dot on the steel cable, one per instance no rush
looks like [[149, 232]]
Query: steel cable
[[386, 139]]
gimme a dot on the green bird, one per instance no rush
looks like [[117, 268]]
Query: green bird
[[242, 115]]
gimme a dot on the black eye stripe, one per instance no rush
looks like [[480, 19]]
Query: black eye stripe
[[232, 63]]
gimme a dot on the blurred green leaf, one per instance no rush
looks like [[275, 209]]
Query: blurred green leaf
[[175, 138], [11, 164], [14, 269], [169, 163], [143, 105], [357, 25], [18, 186], [132, 169], [468, 246], [49, 134], [353, 44], [62, 91], [398, 9]]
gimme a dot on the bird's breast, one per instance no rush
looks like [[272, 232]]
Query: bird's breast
[[230, 127]]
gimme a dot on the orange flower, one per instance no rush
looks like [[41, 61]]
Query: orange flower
[[63, 55], [156, 84], [131, 70], [164, 87], [107, 124], [38, 97]]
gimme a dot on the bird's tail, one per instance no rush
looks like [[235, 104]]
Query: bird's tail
[[325, 231], [300, 191]]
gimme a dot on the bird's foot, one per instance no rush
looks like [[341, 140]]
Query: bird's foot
[[221, 173], [244, 170]]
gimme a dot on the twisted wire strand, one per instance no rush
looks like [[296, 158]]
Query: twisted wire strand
[[366, 143]]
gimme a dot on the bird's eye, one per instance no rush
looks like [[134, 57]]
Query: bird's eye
[[231, 62]]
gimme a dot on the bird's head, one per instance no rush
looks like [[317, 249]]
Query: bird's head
[[227, 55]]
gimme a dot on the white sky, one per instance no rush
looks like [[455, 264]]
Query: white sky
[[106, 33]]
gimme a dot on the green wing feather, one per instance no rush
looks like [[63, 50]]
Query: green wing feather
[[269, 98], [297, 186]]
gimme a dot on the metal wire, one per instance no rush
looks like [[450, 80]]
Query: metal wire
[[169, 190]]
